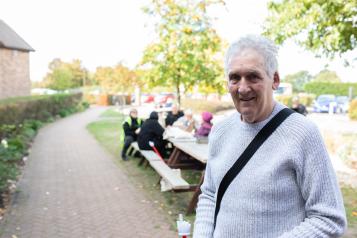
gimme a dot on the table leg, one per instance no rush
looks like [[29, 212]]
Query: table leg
[[194, 199]]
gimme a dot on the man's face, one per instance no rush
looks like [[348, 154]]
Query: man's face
[[250, 86], [174, 110], [134, 114]]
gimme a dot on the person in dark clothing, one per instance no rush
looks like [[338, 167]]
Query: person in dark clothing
[[298, 107], [131, 128], [151, 130], [173, 115]]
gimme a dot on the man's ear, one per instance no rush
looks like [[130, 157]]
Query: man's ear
[[276, 80]]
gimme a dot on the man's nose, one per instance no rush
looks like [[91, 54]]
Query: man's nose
[[243, 86]]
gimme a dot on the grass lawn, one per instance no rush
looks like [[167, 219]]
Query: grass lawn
[[107, 132], [350, 199]]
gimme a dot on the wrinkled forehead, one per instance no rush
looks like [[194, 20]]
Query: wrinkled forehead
[[247, 60]]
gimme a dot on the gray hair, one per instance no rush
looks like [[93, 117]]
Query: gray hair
[[265, 47]]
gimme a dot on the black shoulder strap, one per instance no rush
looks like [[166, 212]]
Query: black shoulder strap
[[243, 159]]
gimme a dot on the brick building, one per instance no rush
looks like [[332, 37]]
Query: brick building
[[14, 64]]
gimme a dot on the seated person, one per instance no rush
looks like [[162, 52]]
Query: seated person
[[187, 122], [298, 107], [206, 125], [151, 130], [173, 115], [131, 128]]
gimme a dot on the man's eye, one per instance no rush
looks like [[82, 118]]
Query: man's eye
[[234, 77], [253, 76]]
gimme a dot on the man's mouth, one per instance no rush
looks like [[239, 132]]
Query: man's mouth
[[246, 99]]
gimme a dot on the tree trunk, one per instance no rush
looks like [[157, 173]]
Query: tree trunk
[[178, 92]]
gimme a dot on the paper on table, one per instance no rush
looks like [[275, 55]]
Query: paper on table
[[177, 133]]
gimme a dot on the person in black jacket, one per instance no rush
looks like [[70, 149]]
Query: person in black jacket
[[151, 130], [298, 107], [131, 128], [173, 115]]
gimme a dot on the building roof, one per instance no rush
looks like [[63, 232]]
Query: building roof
[[11, 40]]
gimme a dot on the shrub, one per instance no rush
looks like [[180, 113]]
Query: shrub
[[307, 99], [285, 99], [339, 89], [352, 111], [42, 108], [20, 119], [200, 105]]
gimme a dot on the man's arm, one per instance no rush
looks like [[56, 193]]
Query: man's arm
[[205, 208], [127, 130], [324, 207]]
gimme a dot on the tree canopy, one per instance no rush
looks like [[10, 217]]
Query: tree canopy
[[298, 80], [326, 27], [187, 49], [63, 75], [116, 79], [326, 76]]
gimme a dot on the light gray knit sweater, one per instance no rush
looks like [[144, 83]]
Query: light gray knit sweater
[[287, 189]]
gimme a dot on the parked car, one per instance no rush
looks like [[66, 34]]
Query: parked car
[[164, 99], [343, 103], [147, 98], [324, 102]]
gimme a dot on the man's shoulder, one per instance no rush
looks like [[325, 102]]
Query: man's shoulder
[[225, 124], [302, 124]]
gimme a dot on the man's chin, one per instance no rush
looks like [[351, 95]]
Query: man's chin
[[247, 117]]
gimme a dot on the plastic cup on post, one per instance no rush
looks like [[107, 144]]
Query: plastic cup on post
[[183, 227]]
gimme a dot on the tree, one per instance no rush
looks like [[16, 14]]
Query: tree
[[326, 76], [116, 79], [65, 75], [298, 80], [187, 50], [325, 27]]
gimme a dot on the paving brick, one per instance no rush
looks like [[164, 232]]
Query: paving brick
[[71, 188]]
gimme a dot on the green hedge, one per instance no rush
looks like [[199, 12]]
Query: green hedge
[[17, 110], [338, 89], [306, 99], [200, 105], [20, 119]]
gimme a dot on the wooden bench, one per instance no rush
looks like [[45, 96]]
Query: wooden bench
[[165, 172], [133, 148], [176, 181]]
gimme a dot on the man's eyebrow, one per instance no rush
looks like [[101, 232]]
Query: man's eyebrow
[[253, 71]]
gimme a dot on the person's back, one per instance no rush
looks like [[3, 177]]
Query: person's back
[[151, 130], [298, 107]]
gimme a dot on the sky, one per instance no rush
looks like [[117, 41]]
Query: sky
[[106, 32]]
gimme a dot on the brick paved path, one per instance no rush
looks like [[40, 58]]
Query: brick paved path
[[72, 188]]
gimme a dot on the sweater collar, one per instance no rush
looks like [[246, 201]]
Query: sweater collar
[[257, 126]]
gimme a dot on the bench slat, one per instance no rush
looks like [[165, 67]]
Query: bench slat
[[150, 155], [166, 172]]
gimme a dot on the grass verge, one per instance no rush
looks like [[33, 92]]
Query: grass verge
[[107, 133]]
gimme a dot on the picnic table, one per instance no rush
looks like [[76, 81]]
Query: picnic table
[[187, 154]]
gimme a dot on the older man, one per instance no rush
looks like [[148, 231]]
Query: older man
[[187, 122], [288, 188], [173, 115]]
